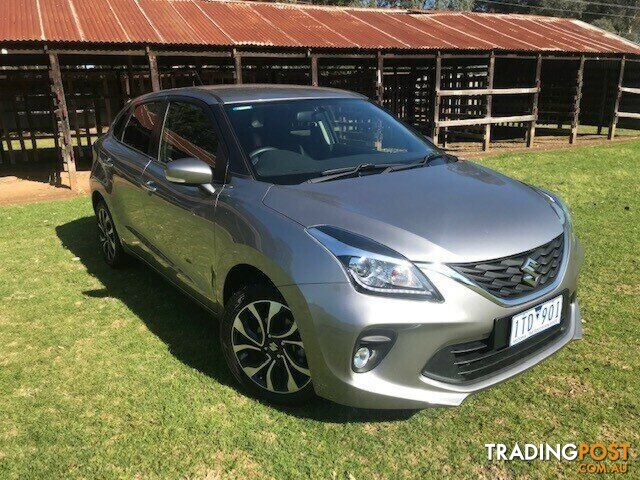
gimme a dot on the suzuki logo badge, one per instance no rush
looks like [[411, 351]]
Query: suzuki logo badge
[[530, 270]]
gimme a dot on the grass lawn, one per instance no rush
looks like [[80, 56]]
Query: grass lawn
[[114, 374]]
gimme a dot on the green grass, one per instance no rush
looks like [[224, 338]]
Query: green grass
[[588, 130], [46, 143], [114, 374]]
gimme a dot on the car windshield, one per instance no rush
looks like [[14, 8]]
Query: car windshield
[[292, 141]]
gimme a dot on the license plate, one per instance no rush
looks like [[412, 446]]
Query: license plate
[[535, 320]]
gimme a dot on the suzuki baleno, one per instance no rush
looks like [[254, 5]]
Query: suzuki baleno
[[345, 254]]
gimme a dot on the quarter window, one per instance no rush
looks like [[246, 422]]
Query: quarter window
[[138, 133], [118, 126], [188, 132]]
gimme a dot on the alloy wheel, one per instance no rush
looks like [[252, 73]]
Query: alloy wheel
[[268, 347], [106, 234]]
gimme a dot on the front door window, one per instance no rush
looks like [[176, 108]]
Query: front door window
[[188, 133]]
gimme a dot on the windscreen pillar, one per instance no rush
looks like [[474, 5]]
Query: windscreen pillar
[[153, 70], [575, 121], [62, 120], [534, 108], [616, 107]]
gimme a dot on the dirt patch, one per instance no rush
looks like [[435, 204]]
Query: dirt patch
[[16, 191], [567, 387]]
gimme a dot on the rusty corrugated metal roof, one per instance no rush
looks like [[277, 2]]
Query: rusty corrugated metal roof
[[235, 23]]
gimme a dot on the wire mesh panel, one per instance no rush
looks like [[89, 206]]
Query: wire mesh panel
[[27, 126]]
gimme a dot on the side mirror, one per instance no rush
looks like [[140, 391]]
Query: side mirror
[[188, 171]]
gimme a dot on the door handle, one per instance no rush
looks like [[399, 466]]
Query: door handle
[[107, 161], [149, 186]]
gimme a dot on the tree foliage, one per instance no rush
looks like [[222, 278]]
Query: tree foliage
[[448, 4], [618, 16]]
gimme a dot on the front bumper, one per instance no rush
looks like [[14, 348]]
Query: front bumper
[[331, 316]]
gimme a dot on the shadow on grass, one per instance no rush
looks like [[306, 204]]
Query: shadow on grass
[[190, 332]]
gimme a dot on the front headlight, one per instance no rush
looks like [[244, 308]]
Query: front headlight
[[374, 268]]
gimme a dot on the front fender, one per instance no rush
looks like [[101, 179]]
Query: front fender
[[249, 232]]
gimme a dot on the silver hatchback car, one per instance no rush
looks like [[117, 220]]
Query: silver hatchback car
[[345, 254]]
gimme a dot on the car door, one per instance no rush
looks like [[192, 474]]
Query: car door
[[179, 218], [129, 154]]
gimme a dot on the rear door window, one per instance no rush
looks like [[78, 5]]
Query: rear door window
[[138, 134]]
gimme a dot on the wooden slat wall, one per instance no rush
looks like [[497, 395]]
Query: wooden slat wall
[[630, 99], [358, 75], [97, 87], [557, 92], [279, 71], [27, 130], [408, 91]]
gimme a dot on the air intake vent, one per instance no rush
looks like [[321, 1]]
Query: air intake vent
[[473, 361]]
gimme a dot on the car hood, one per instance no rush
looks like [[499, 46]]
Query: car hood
[[456, 212]]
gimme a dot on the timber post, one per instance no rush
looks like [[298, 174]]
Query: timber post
[[436, 98], [575, 121], [237, 67], [534, 108], [616, 107], [314, 70], [380, 78], [153, 71], [490, 74], [62, 120]]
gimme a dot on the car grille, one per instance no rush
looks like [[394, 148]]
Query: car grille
[[473, 361], [504, 278]]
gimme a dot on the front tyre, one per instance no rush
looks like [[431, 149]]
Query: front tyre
[[108, 239], [263, 347]]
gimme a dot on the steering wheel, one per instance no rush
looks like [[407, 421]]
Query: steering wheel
[[254, 156]]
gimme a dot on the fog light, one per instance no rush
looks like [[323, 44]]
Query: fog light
[[361, 357], [371, 347]]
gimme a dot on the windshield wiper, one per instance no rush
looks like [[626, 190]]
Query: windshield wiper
[[420, 163], [335, 173], [383, 167]]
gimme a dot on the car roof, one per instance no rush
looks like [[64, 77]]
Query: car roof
[[229, 94]]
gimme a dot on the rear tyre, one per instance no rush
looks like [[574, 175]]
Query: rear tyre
[[108, 239], [263, 347]]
